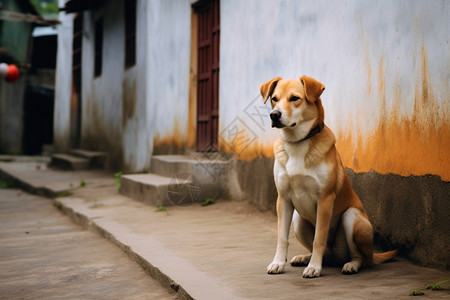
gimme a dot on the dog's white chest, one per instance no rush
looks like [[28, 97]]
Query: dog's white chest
[[304, 184]]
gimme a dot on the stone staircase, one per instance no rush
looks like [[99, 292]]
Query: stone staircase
[[79, 159], [180, 180]]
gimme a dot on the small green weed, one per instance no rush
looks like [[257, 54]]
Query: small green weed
[[96, 204], [433, 287], [64, 195], [208, 201], [5, 184], [436, 286], [117, 179], [161, 208], [416, 293], [82, 183]]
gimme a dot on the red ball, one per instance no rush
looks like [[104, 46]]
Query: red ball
[[13, 74]]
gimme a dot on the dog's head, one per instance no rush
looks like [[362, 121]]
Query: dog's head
[[294, 101]]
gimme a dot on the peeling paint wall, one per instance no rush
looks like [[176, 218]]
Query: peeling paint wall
[[133, 113], [114, 104], [169, 46], [63, 82], [11, 115], [384, 64], [410, 214], [109, 114]]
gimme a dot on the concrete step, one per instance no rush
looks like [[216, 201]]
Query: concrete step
[[168, 165], [207, 170], [69, 162], [97, 159], [161, 190]]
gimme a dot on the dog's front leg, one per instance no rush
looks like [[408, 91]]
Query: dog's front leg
[[285, 210], [324, 213]]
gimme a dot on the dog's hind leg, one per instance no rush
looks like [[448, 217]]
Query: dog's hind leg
[[304, 232], [359, 235]]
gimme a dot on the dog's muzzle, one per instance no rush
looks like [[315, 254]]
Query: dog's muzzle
[[275, 116]]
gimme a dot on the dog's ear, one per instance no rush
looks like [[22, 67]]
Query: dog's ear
[[313, 88], [266, 89]]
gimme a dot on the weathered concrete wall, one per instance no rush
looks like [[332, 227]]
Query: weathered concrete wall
[[114, 103], [130, 112], [169, 45], [11, 115], [101, 127], [409, 213], [63, 82], [384, 64], [255, 183], [137, 142]]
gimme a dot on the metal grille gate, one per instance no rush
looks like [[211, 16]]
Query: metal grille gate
[[208, 75]]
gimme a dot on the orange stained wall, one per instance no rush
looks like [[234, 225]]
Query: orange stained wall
[[385, 65], [414, 144]]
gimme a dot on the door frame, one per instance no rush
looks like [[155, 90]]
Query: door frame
[[204, 87]]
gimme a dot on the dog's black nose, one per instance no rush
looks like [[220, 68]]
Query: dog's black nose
[[275, 115]]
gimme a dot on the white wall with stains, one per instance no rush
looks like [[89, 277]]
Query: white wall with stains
[[125, 110], [168, 61], [384, 64], [109, 101], [114, 106], [11, 114], [63, 82], [378, 60]]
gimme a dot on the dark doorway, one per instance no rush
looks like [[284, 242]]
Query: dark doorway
[[208, 13], [39, 94], [38, 118], [75, 99]]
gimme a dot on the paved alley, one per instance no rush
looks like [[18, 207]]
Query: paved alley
[[43, 255]]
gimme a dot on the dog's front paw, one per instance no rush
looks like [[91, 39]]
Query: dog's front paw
[[311, 271], [276, 267]]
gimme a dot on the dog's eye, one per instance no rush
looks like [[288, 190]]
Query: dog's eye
[[294, 98], [274, 99]]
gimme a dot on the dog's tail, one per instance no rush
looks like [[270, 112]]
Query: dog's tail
[[378, 258]]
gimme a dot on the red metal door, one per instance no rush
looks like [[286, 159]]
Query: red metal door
[[208, 75]]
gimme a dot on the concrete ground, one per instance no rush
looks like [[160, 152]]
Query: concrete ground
[[215, 252], [43, 255]]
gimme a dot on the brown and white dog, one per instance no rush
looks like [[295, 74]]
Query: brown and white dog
[[313, 190]]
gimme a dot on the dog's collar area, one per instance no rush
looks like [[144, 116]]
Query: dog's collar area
[[313, 132]]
